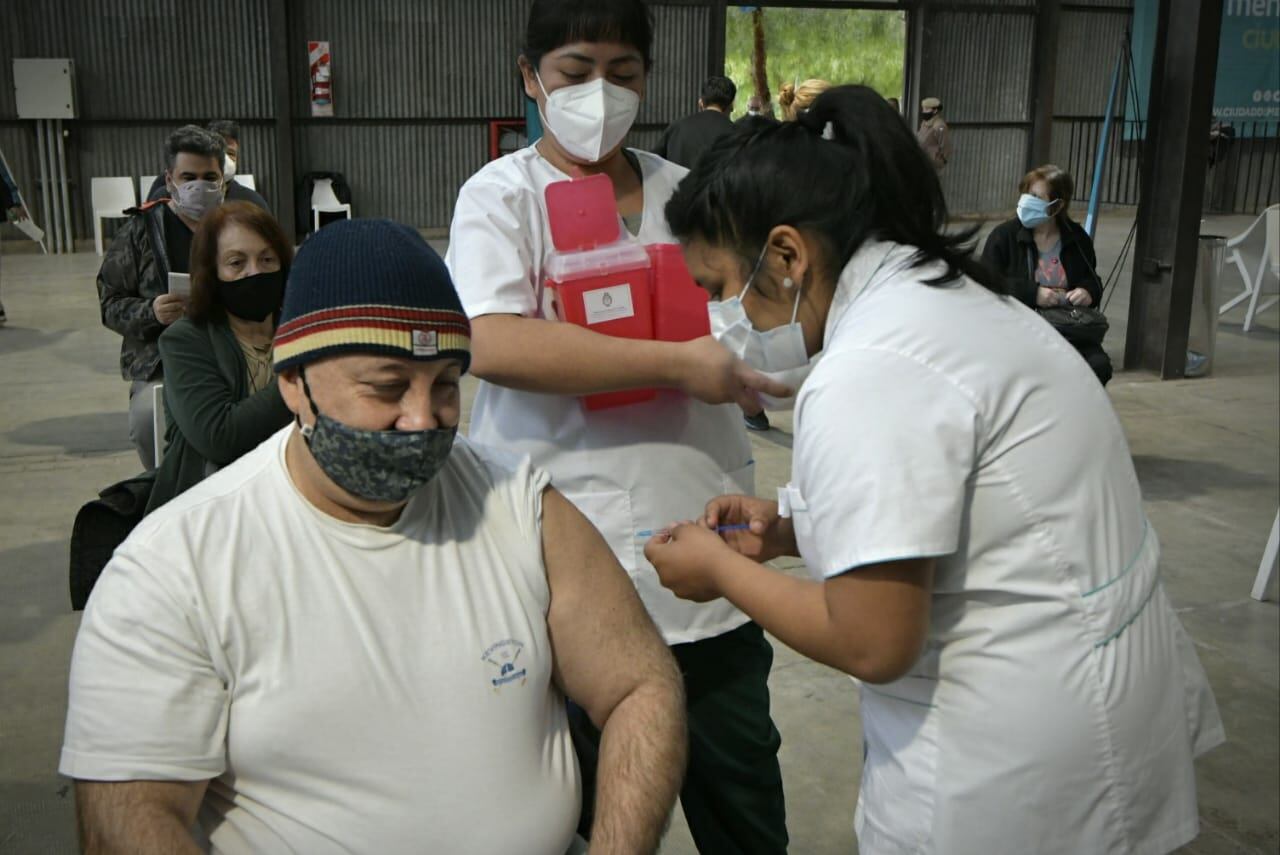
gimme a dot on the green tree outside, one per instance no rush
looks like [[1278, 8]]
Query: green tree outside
[[839, 45]]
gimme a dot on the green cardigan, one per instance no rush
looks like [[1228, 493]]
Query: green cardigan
[[210, 416]]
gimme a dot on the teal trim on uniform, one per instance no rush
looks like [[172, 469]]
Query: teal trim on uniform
[[896, 698], [1113, 636], [1146, 527]]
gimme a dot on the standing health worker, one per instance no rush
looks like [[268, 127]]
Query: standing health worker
[[634, 467], [964, 497]]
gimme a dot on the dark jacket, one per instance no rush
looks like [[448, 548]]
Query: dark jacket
[[1011, 252], [134, 272], [236, 192], [210, 415], [685, 140]]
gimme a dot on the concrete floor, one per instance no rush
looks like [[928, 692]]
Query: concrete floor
[[1207, 451]]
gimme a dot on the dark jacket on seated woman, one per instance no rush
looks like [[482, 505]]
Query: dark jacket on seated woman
[[1011, 251], [213, 417], [221, 398]]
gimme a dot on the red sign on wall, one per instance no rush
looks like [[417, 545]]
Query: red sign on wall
[[321, 79]]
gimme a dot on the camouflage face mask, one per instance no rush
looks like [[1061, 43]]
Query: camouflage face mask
[[377, 465]]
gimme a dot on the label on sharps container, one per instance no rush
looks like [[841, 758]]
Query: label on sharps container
[[608, 304]]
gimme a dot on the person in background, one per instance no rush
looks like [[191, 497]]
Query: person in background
[[359, 636], [934, 136], [220, 396], [14, 210], [755, 108], [628, 469], [895, 104], [795, 99], [229, 131], [685, 140], [133, 282], [966, 503], [1046, 258]]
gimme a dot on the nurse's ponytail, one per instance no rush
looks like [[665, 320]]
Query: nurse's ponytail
[[848, 169]]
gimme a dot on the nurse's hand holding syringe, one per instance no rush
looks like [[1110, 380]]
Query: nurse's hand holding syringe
[[750, 525]]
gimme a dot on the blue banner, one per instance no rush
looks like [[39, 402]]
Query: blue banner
[[1247, 86]]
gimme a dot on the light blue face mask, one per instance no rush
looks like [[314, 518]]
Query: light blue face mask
[[1034, 211]]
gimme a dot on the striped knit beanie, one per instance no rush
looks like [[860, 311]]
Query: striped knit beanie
[[370, 286]]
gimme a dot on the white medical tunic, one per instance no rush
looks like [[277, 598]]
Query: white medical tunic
[[1059, 702], [630, 468]]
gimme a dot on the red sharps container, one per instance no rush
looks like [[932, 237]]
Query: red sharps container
[[599, 280], [679, 305]]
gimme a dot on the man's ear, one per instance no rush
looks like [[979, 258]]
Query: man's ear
[[290, 384]]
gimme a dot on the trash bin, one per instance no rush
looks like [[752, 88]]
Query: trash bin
[[1202, 338]]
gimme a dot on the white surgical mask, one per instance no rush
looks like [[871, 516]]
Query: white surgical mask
[[589, 119], [229, 171], [196, 198], [779, 353]]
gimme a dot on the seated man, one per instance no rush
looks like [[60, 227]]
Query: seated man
[[133, 282], [229, 131], [359, 637]]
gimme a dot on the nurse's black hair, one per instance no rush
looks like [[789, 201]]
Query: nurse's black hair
[[869, 180], [556, 23]]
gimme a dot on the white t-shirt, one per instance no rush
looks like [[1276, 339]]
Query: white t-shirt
[[346, 688], [628, 469], [1058, 703]]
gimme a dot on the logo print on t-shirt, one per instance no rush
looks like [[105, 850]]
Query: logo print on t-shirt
[[505, 669]]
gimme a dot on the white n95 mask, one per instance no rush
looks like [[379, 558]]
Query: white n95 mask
[[229, 168], [589, 119]]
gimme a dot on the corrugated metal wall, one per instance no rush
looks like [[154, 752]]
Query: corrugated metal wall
[[415, 84], [417, 80], [143, 67], [412, 59], [978, 63]]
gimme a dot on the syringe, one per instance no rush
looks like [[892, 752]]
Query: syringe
[[720, 528]]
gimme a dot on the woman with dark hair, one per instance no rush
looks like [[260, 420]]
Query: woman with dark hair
[[961, 492], [1046, 258], [220, 395], [631, 468]]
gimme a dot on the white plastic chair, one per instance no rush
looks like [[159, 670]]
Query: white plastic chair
[[246, 180], [1270, 260], [144, 186], [158, 423], [325, 201], [111, 198]]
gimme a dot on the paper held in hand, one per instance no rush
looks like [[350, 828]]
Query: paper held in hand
[[180, 285], [30, 229]]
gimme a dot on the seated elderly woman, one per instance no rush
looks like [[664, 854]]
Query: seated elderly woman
[[1047, 259], [220, 395]]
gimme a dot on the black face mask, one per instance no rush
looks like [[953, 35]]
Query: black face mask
[[254, 298]]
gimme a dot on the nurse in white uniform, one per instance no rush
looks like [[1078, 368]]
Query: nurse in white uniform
[[633, 467], [964, 498]]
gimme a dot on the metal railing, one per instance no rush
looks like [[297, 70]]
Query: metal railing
[[1243, 176]]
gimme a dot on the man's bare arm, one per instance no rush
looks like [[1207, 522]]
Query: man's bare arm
[[137, 817], [611, 660]]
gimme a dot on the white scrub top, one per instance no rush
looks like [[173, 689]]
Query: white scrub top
[[1059, 702], [630, 468]]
